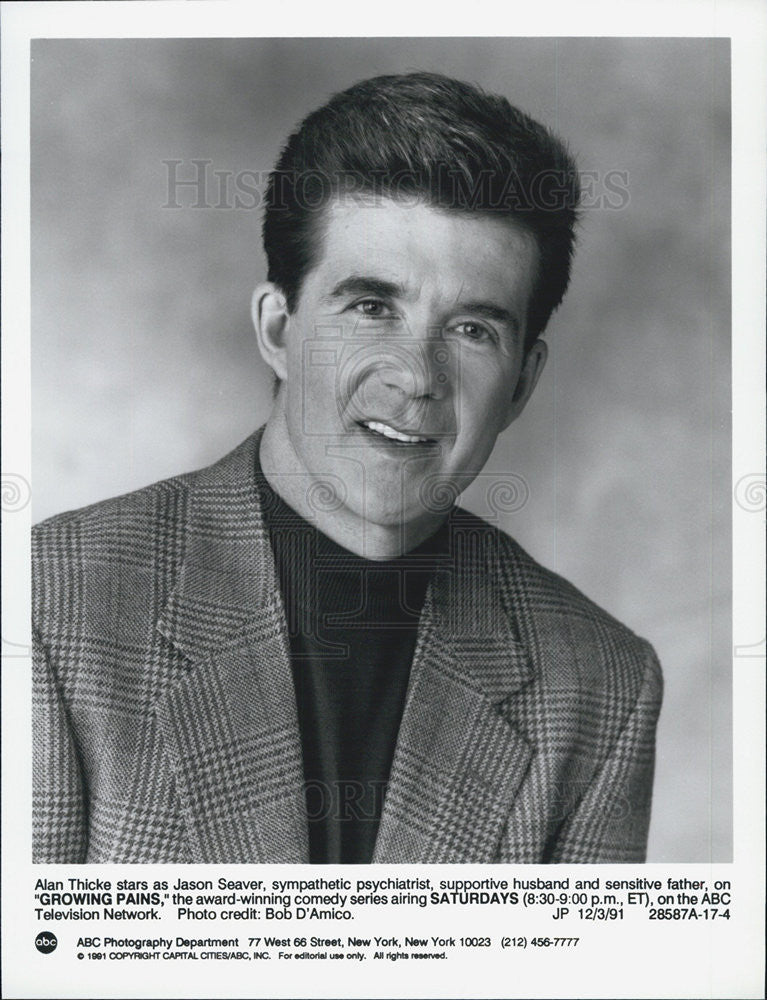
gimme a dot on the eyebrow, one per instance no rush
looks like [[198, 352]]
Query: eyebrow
[[489, 311], [361, 284]]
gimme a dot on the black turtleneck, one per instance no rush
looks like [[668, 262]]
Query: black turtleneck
[[352, 624]]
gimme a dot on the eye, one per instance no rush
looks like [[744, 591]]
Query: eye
[[374, 308], [472, 330]]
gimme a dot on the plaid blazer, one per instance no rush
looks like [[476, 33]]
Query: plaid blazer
[[165, 725]]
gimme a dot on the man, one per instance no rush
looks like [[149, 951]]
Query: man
[[307, 652]]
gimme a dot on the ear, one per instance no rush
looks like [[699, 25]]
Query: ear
[[532, 366], [271, 319]]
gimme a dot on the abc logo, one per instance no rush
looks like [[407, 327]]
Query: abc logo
[[46, 942]]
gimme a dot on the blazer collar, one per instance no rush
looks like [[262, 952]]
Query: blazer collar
[[229, 720]]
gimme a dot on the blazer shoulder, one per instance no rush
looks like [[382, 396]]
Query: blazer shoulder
[[552, 614], [143, 512], [124, 522], [133, 544]]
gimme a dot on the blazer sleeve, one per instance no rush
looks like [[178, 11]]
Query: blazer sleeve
[[611, 821], [59, 825]]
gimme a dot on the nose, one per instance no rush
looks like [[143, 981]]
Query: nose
[[400, 381], [407, 385], [416, 369]]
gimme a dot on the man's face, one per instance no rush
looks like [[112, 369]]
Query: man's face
[[404, 358]]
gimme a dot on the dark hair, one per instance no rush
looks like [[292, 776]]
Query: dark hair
[[441, 140]]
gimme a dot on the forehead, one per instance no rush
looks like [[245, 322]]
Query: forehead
[[413, 243]]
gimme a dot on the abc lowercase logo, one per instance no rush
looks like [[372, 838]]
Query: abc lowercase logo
[[46, 942]]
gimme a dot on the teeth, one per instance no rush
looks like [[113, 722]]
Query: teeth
[[389, 432]]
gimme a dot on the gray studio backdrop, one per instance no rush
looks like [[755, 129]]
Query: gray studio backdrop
[[144, 364]]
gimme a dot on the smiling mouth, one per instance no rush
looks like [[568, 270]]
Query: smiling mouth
[[392, 434]]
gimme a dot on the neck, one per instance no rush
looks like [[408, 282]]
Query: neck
[[293, 483]]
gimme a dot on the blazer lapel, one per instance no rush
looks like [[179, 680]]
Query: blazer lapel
[[458, 763], [229, 720]]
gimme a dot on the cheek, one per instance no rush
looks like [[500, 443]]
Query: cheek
[[484, 398], [311, 386]]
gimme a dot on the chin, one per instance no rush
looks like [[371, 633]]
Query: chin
[[385, 517], [379, 511], [390, 517]]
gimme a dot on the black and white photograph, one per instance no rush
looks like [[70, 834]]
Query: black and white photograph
[[332, 645], [382, 479]]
